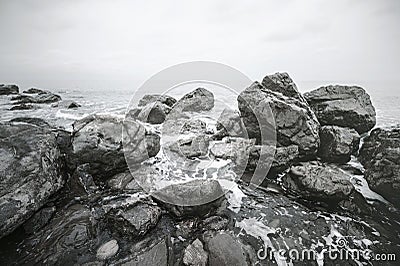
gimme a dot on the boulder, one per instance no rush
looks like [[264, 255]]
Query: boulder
[[225, 250], [337, 143], [153, 113], [191, 147], [230, 124], [295, 123], [31, 120], [22, 106], [194, 198], [380, 156], [30, 170], [73, 105], [41, 98], [282, 83], [81, 182], [134, 220], [8, 89], [151, 98], [196, 101], [124, 181], [34, 91], [345, 106], [156, 254], [195, 255], [193, 126], [315, 180], [98, 140]]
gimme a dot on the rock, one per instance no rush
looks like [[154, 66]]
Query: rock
[[155, 255], [337, 143], [380, 156], [81, 182], [30, 170], [39, 220], [8, 89], [225, 250], [154, 113], [34, 91], [195, 255], [194, 198], [295, 123], [41, 98], [194, 126], [191, 147], [107, 250], [98, 140], [196, 101], [314, 180], [230, 124], [22, 107], [30, 120], [345, 106], [73, 105], [124, 181], [151, 98], [282, 83], [134, 221]]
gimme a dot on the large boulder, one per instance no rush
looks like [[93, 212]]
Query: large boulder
[[30, 172], [34, 91], [198, 100], [345, 106], [230, 124], [193, 198], [8, 89], [282, 83], [98, 140], [380, 155], [195, 146], [153, 113], [314, 180], [151, 98], [295, 123], [41, 98], [226, 250], [337, 143]]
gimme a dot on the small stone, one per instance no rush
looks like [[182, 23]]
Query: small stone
[[107, 250], [195, 255]]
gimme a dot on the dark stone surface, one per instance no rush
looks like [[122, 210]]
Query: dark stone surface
[[225, 250], [151, 98], [198, 100], [8, 89]]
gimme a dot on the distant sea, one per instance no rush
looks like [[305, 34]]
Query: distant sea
[[385, 97]]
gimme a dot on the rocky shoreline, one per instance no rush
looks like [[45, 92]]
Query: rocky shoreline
[[95, 196]]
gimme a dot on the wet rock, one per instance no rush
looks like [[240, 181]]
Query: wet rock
[[198, 100], [295, 123], [225, 250], [195, 255], [337, 143], [73, 105], [282, 83], [39, 220], [98, 140], [8, 89], [230, 124], [123, 181], [41, 98], [107, 250], [81, 182], [151, 98], [34, 91], [194, 198], [315, 180], [22, 107], [154, 113], [134, 220], [380, 156], [155, 255], [345, 106], [31, 120], [194, 126], [195, 146], [30, 169]]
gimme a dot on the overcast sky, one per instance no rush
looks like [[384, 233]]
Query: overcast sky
[[120, 44]]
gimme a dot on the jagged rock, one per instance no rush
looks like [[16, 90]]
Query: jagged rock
[[198, 100], [282, 83], [41, 98], [155, 255], [98, 140], [8, 89], [39, 220], [195, 146], [22, 106], [380, 155], [151, 98], [124, 181], [345, 106], [153, 113], [134, 220], [107, 250], [195, 255], [225, 250], [30, 170], [193, 198], [314, 180], [230, 124], [73, 105], [295, 123], [81, 182], [337, 143], [194, 126], [34, 91]]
